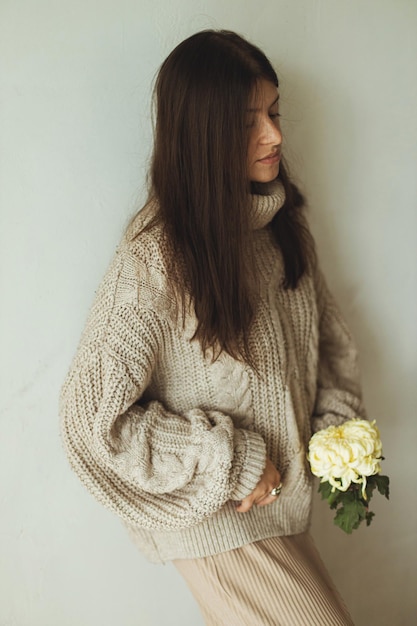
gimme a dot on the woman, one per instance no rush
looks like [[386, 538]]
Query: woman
[[213, 350]]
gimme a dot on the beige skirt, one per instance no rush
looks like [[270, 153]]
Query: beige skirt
[[280, 581]]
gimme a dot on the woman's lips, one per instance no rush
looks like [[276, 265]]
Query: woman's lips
[[270, 159]]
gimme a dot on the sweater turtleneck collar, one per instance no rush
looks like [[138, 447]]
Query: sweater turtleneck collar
[[265, 205]]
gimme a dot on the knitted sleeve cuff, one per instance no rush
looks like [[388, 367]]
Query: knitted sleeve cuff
[[251, 449]]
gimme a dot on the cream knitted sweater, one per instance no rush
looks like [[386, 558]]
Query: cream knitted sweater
[[168, 439]]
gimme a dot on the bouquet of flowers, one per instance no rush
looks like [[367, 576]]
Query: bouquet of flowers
[[347, 459]]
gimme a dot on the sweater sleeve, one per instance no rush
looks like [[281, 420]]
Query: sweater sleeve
[[339, 394], [155, 468]]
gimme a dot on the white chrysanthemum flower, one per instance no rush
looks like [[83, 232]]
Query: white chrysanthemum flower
[[346, 454]]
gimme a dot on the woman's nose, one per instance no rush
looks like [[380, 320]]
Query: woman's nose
[[271, 132]]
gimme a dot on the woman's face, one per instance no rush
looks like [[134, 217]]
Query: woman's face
[[264, 147]]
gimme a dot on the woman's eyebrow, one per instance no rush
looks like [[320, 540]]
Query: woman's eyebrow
[[271, 105]]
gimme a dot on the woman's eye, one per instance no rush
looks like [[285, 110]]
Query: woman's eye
[[274, 115]]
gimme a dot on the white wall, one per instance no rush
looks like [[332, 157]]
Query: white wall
[[75, 136]]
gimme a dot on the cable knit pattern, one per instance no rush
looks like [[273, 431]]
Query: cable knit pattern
[[169, 439]]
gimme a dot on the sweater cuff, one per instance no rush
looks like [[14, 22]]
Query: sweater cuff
[[250, 449]]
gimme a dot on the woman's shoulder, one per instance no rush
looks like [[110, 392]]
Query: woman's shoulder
[[135, 283], [145, 240], [142, 263]]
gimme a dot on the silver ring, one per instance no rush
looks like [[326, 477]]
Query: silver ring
[[276, 490]]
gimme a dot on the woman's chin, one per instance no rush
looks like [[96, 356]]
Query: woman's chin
[[262, 174]]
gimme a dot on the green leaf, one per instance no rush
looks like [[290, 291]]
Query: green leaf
[[325, 489], [369, 516], [334, 498], [327, 493], [382, 482], [370, 486], [350, 515], [351, 507], [351, 495]]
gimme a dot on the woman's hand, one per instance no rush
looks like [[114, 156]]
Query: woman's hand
[[261, 495]]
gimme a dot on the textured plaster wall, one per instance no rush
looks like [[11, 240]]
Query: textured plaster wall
[[75, 136]]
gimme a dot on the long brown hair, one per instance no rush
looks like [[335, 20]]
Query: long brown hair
[[199, 177]]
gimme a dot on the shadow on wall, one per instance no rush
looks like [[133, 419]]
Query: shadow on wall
[[323, 144]]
